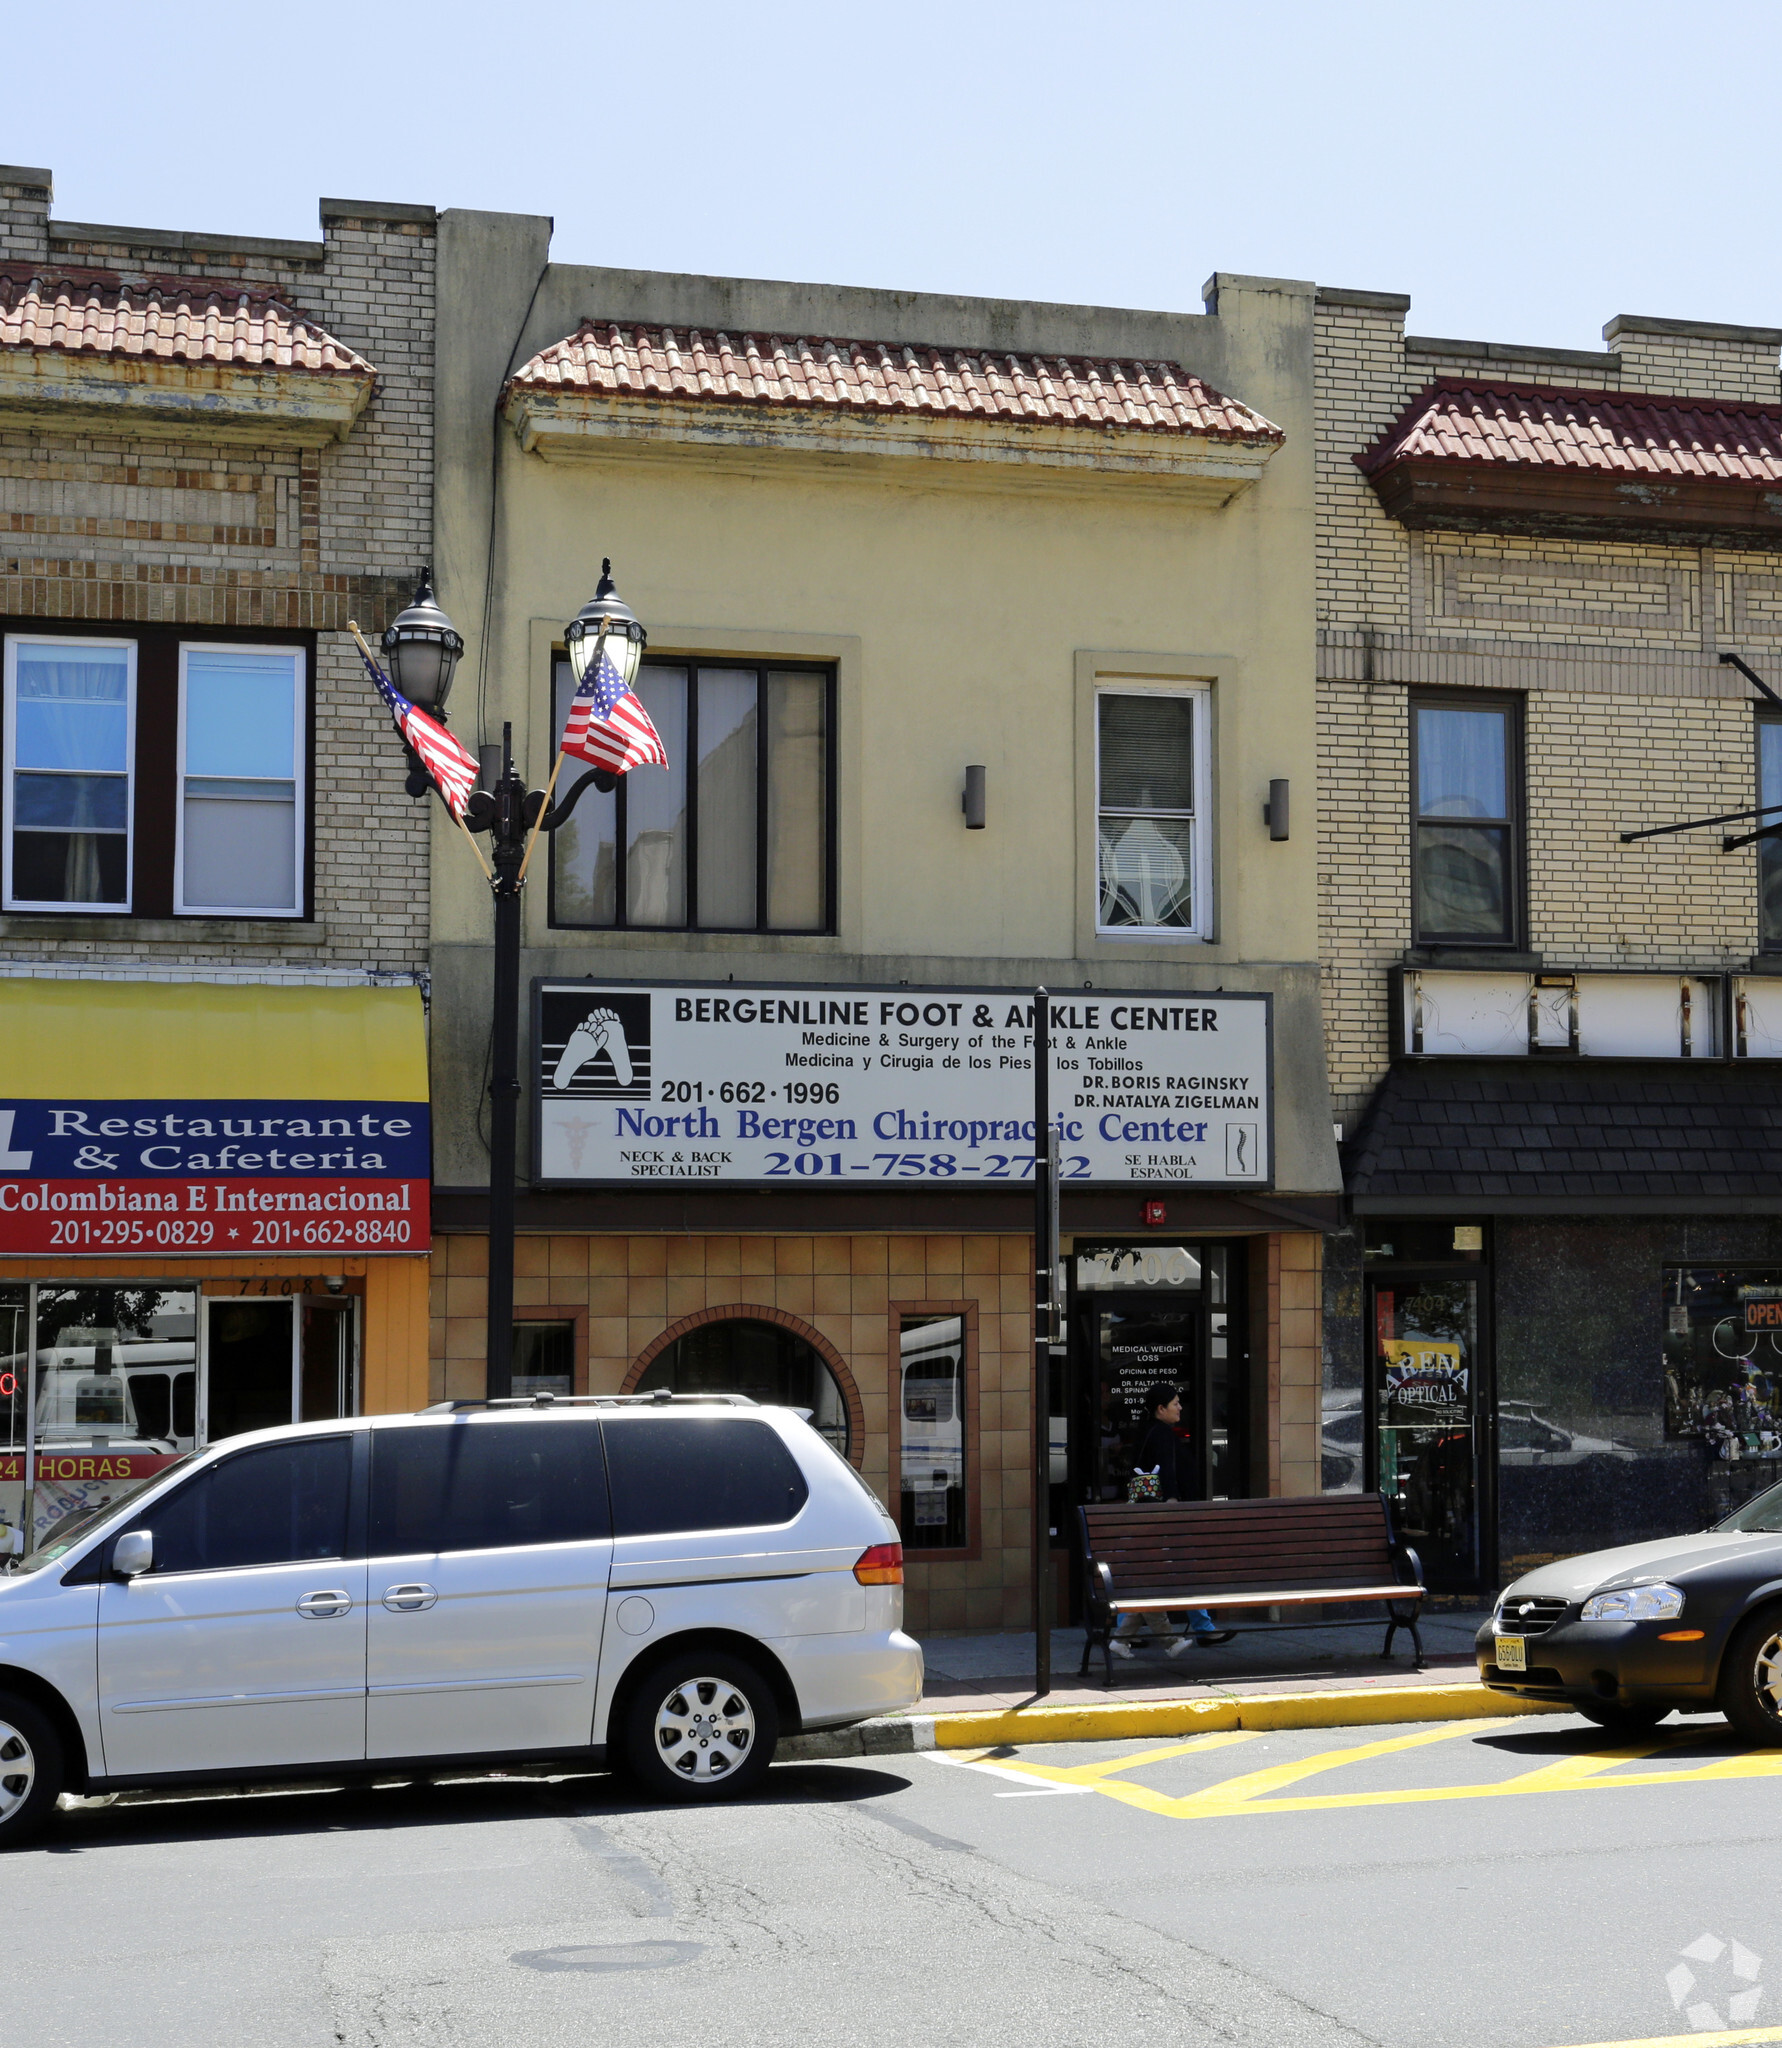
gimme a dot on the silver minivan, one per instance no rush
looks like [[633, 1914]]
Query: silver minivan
[[664, 1582]]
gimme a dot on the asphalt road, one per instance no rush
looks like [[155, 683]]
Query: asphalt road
[[1509, 1884]]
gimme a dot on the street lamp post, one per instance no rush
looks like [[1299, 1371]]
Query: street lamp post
[[422, 648]]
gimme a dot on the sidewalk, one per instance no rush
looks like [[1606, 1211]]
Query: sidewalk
[[978, 1691]]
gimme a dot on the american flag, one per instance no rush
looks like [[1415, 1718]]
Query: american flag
[[609, 726], [446, 758]]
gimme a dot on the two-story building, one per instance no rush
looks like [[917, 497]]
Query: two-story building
[[980, 639], [214, 1164], [1554, 1020]]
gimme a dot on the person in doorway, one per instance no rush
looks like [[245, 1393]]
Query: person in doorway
[[1162, 1449]]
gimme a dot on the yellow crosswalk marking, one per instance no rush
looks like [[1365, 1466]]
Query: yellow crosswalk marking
[[1736, 2039]]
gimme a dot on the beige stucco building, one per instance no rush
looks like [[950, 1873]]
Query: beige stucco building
[[878, 539]]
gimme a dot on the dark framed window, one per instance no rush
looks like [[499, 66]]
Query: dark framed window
[[1466, 821], [155, 772], [762, 1360], [1769, 851], [736, 834]]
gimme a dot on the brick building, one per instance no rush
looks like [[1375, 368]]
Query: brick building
[[1552, 1048], [214, 452]]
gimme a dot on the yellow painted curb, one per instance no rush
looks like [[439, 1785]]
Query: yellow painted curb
[[1364, 1707]]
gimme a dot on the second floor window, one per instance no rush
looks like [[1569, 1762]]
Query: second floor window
[[1151, 814], [736, 834], [152, 777], [1769, 851], [1465, 856]]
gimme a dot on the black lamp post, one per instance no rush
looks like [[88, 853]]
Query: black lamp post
[[422, 648]]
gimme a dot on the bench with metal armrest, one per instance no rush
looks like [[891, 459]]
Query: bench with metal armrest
[[1231, 1556]]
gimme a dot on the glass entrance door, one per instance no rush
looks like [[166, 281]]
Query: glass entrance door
[[1424, 1403], [277, 1359], [1141, 1344]]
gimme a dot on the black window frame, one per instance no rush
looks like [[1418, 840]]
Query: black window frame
[[1514, 822], [760, 666], [154, 764], [1769, 851]]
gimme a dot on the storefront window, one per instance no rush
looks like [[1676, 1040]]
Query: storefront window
[[762, 1360], [1723, 1359], [931, 1456], [544, 1358]]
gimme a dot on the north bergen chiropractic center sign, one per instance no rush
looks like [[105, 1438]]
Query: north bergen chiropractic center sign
[[99, 1177], [771, 1086]]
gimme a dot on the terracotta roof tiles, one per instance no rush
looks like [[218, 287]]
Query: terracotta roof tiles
[[175, 320], [823, 374]]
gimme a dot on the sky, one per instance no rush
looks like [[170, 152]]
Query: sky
[[1523, 171]]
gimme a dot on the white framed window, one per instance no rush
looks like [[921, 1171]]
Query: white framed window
[[1153, 813], [239, 829], [70, 752]]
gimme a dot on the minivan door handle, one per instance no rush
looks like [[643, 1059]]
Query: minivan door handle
[[410, 1599], [324, 1606]]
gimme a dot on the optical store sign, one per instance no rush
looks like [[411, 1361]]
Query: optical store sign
[[773, 1086], [101, 1177]]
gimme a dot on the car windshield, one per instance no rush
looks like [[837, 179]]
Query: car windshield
[[72, 1528], [1759, 1516]]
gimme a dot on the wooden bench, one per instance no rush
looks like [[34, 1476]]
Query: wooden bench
[[1322, 1550]]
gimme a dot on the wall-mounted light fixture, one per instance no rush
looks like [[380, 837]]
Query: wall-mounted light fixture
[[1275, 810], [972, 801]]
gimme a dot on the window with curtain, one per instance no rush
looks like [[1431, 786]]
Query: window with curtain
[[1153, 846], [1466, 855], [70, 746], [240, 816], [1769, 851], [153, 774], [736, 834]]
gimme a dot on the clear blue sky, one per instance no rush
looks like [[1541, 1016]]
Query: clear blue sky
[[1522, 170]]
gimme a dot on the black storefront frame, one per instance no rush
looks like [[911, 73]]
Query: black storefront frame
[[1413, 1271], [1075, 1386]]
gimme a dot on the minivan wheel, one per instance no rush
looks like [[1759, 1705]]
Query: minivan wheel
[[1750, 1693], [701, 1726], [30, 1770]]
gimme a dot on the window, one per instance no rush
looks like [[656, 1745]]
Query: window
[[1465, 856], [1152, 813], [486, 1484], [1769, 851], [675, 1473], [283, 1504], [931, 1454], [767, 1362], [736, 834], [240, 818], [544, 1358], [70, 714], [153, 776]]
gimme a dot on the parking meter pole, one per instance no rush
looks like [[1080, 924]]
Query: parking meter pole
[[1045, 1271], [28, 1502]]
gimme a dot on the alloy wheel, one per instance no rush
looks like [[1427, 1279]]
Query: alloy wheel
[[704, 1729], [18, 1770], [1766, 1674]]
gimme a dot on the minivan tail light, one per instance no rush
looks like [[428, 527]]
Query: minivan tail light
[[882, 1565]]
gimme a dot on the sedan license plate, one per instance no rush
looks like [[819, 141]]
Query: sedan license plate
[[1512, 1653]]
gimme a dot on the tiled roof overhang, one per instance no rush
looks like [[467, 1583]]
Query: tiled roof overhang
[[1520, 1137], [183, 357], [1511, 458], [610, 384]]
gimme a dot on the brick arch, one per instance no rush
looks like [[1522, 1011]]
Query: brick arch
[[755, 1312]]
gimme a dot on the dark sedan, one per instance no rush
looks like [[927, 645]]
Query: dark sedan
[[1629, 1635]]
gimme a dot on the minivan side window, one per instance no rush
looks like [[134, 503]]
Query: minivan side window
[[281, 1504], [486, 1485], [689, 1472]]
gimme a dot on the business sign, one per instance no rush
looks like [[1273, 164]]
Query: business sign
[[68, 1480], [102, 1177], [1426, 1381], [1763, 1309], [772, 1086]]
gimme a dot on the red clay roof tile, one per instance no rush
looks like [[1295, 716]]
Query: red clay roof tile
[[1465, 422], [818, 372], [174, 320]]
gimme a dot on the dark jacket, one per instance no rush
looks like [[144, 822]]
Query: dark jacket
[[1161, 1447]]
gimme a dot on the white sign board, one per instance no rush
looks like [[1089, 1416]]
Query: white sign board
[[777, 1085]]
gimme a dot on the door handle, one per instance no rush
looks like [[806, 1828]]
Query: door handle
[[324, 1606], [410, 1599]]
